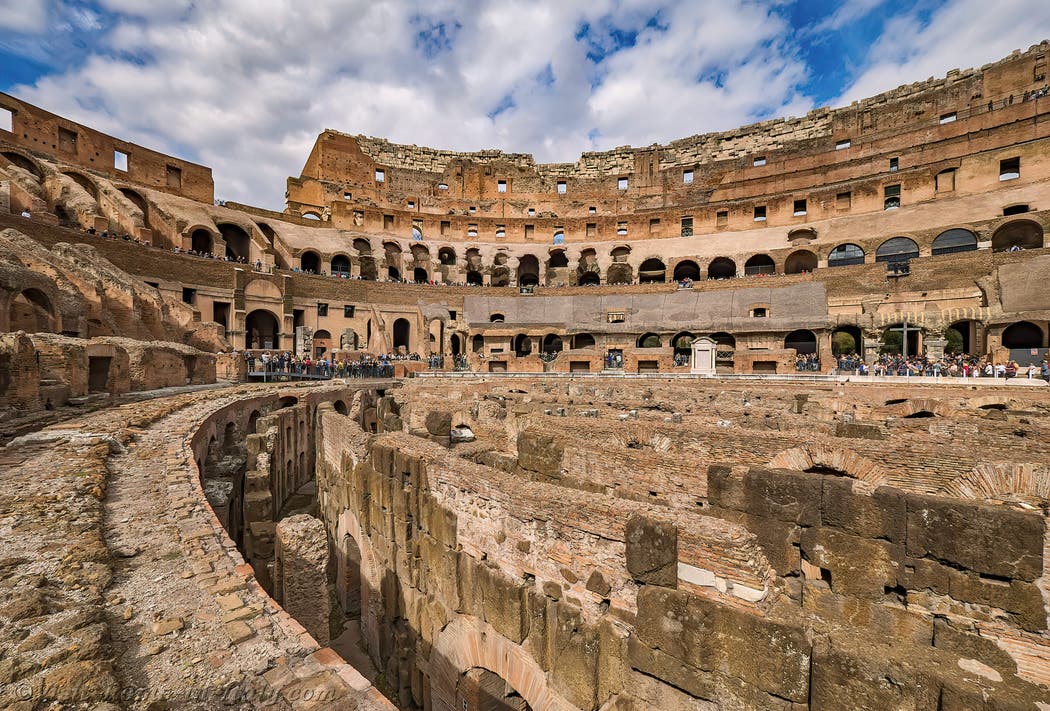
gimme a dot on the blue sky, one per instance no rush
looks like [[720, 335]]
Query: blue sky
[[246, 85]]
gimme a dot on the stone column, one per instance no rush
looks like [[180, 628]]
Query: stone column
[[872, 342], [300, 573]]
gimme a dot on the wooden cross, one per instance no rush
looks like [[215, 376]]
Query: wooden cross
[[904, 331]]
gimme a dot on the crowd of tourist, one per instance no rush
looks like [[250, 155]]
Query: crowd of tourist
[[807, 362], [303, 366], [951, 365]]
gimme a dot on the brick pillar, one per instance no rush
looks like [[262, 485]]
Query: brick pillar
[[300, 573]]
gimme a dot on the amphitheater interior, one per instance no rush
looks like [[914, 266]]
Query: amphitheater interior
[[675, 427]]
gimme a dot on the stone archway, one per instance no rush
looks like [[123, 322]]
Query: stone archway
[[469, 643], [31, 311], [868, 474], [1005, 481]]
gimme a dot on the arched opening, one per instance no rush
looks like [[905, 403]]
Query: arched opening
[[620, 254], [322, 343], [897, 249], [477, 343], [368, 268], [455, 344], [31, 312], [447, 256], [683, 346], [652, 271], [83, 181], [484, 690], [846, 340], [417, 234], [340, 265], [340, 407], [420, 276], [528, 270], [589, 279], [393, 273], [893, 342], [619, 273], [649, 340], [522, 345], [687, 269], [268, 232], [475, 278], [402, 334], [583, 340], [1019, 234], [362, 246], [846, 255], [497, 317], [348, 576], [803, 341], [955, 240], [961, 337], [800, 262], [558, 259], [311, 215], [201, 241], [238, 243], [1023, 334], [310, 262], [725, 348], [760, 264], [136, 199], [500, 276], [552, 343], [721, 268], [20, 161], [261, 330]]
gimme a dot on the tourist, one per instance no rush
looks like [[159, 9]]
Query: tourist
[[26, 214]]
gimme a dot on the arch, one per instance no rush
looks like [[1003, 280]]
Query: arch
[[528, 270], [800, 262], [85, 182], [420, 253], [846, 255], [682, 342], [340, 264], [475, 278], [473, 257], [261, 330], [268, 232], [802, 235], [522, 345], [760, 264], [447, 256], [652, 271], [201, 241], [1020, 234], [620, 253], [846, 340], [893, 342], [552, 343], [488, 690], [619, 273], [417, 233], [137, 200], [649, 340], [500, 276], [803, 341], [557, 259], [238, 243], [467, 643], [721, 268], [962, 337], [455, 344], [311, 215], [589, 279], [897, 249], [32, 312], [497, 317], [402, 334], [1022, 334], [827, 459], [686, 269], [310, 261], [420, 275], [25, 163], [393, 273], [954, 240], [391, 249], [362, 246], [1009, 481], [583, 340]]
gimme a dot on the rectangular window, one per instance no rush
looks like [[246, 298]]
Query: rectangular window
[[617, 316], [891, 197], [800, 208], [654, 225], [530, 230], [67, 140], [411, 204], [322, 309], [948, 117], [760, 213], [446, 227], [621, 228], [380, 175], [843, 144], [945, 181], [442, 186], [687, 226], [472, 209], [621, 184], [722, 218], [894, 164], [174, 177], [388, 222], [120, 161], [843, 201], [531, 212], [592, 210], [189, 296], [452, 315], [501, 231], [592, 229], [760, 161], [687, 177], [562, 187], [348, 312], [348, 196], [472, 230], [501, 186], [1039, 71], [7, 120], [220, 313], [1010, 169]]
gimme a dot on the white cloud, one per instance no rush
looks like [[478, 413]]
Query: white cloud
[[23, 15]]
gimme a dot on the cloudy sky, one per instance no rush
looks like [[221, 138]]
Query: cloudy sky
[[245, 86]]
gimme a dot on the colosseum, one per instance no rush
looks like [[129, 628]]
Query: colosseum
[[755, 419]]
